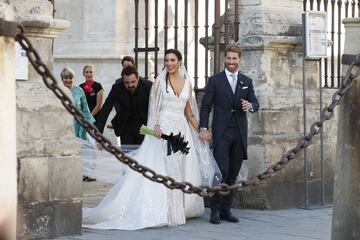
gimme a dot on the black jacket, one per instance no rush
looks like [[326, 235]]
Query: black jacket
[[128, 107]]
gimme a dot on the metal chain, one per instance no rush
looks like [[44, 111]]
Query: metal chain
[[326, 114]]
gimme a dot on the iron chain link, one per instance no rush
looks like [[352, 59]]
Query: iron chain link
[[326, 114]]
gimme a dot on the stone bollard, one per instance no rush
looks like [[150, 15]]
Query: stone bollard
[[346, 213], [49, 167], [8, 179]]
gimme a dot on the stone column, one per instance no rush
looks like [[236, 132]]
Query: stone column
[[8, 177], [49, 169], [346, 214], [270, 34]]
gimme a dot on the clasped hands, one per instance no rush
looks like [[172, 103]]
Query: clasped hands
[[204, 135]]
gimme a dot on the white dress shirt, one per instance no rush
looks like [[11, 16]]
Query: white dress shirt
[[229, 76]]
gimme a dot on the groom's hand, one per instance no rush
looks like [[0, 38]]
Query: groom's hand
[[246, 105], [204, 135]]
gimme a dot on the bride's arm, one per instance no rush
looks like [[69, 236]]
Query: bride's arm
[[190, 117]]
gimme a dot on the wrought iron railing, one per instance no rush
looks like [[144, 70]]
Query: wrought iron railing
[[184, 23], [337, 10]]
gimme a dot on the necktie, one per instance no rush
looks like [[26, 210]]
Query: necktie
[[233, 82]]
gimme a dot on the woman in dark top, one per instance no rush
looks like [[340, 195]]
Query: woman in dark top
[[93, 91]]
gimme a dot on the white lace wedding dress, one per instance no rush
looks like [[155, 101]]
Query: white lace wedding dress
[[135, 202]]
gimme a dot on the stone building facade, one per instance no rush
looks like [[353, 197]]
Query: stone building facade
[[49, 169], [270, 35]]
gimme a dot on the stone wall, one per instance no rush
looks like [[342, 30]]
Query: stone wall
[[270, 35]]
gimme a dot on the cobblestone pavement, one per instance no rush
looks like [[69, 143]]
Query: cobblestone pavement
[[290, 224]]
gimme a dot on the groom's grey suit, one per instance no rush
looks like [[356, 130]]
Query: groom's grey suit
[[229, 128]]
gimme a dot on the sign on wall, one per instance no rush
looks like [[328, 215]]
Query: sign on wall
[[21, 63], [315, 26]]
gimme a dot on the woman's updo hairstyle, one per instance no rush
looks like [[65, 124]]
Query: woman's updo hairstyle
[[179, 57], [174, 51]]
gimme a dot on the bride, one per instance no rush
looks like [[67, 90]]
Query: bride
[[135, 202]]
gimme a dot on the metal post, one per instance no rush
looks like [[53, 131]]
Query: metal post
[[146, 28], [217, 37], [318, 2], [346, 8], [326, 60], [236, 22], [136, 28], [206, 41], [226, 22], [176, 24], [186, 33], [306, 202], [196, 45], [166, 25], [306, 199], [311, 4], [332, 60], [156, 37], [322, 188], [339, 4]]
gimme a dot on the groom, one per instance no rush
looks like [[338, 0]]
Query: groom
[[232, 95]]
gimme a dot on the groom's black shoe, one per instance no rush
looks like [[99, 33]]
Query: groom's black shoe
[[214, 217], [228, 217]]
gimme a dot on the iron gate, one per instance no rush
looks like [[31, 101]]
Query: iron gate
[[178, 24], [179, 18], [337, 10]]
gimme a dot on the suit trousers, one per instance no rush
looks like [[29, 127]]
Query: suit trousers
[[229, 155]]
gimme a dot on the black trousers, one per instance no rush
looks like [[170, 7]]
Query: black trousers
[[229, 155], [131, 134], [131, 138]]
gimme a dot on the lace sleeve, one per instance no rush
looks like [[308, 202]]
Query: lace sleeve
[[154, 103]]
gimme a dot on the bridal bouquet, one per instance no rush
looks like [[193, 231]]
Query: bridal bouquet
[[175, 143]]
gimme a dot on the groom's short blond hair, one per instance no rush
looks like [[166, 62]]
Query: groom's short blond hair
[[233, 48]]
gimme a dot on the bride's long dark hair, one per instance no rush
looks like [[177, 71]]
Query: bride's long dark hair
[[179, 57]]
